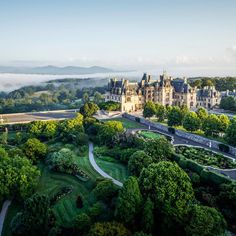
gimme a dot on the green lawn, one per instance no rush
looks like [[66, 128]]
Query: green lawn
[[114, 168], [51, 182], [128, 124], [149, 134]]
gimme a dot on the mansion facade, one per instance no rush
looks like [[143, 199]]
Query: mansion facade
[[165, 90]]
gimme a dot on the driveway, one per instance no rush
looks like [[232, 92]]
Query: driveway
[[98, 169]]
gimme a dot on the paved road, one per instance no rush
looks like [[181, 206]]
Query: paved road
[[5, 206], [32, 116], [98, 169]]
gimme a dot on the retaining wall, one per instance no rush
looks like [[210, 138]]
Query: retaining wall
[[182, 134]]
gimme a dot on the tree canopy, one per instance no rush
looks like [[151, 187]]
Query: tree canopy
[[129, 201], [169, 187]]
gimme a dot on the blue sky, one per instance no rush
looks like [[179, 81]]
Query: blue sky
[[187, 35]]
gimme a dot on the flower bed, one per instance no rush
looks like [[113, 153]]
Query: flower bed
[[206, 157]]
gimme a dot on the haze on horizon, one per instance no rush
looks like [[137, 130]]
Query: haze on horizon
[[183, 37]]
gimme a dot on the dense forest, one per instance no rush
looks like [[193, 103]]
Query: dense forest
[[61, 94], [221, 83]]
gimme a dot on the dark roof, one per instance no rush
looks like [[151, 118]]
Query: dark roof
[[180, 86]]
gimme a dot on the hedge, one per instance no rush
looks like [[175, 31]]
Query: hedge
[[206, 175], [212, 177]]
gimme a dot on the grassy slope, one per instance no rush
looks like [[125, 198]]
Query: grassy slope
[[50, 182], [128, 124], [113, 167]]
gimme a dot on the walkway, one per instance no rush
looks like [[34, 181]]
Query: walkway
[[5, 206], [179, 140], [98, 169]]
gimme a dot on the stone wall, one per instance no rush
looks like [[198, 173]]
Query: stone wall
[[182, 134]]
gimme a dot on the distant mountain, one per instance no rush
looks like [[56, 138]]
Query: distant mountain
[[54, 70]]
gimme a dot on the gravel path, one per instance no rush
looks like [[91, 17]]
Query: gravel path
[[98, 169]]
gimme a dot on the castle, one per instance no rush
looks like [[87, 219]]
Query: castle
[[165, 91]]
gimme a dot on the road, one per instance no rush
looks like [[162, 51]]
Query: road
[[98, 169], [5, 206], [16, 118]]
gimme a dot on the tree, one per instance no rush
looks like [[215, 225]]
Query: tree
[[97, 97], [148, 217], [228, 103], [108, 229], [207, 82], [224, 123], [160, 112], [85, 97], [158, 149], [197, 83], [205, 221], [83, 222], [50, 129], [129, 201], [43, 129], [89, 109], [34, 219], [105, 190], [109, 130], [4, 138], [72, 126], [230, 135], [138, 161], [202, 113], [149, 109], [34, 149], [18, 138], [169, 187], [212, 125], [175, 116], [18, 177], [191, 121]]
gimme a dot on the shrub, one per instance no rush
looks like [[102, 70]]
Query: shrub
[[193, 166], [213, 178], [223, 147], [79, 202]]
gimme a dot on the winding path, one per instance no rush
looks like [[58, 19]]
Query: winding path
[[98, 169], [5, 206]]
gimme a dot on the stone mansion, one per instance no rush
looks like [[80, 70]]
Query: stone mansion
[[165, 91]]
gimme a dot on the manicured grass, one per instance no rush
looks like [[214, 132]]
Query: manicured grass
[[206, 157], [50, 183], [149, 134], [128, 124], [113, 167], [12, 211]]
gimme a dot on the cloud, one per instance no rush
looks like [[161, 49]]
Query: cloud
[[231, 50]]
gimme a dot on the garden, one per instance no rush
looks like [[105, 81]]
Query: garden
[[206, 157]]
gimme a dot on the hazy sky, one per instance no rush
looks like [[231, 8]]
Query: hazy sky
[[191, 36]]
